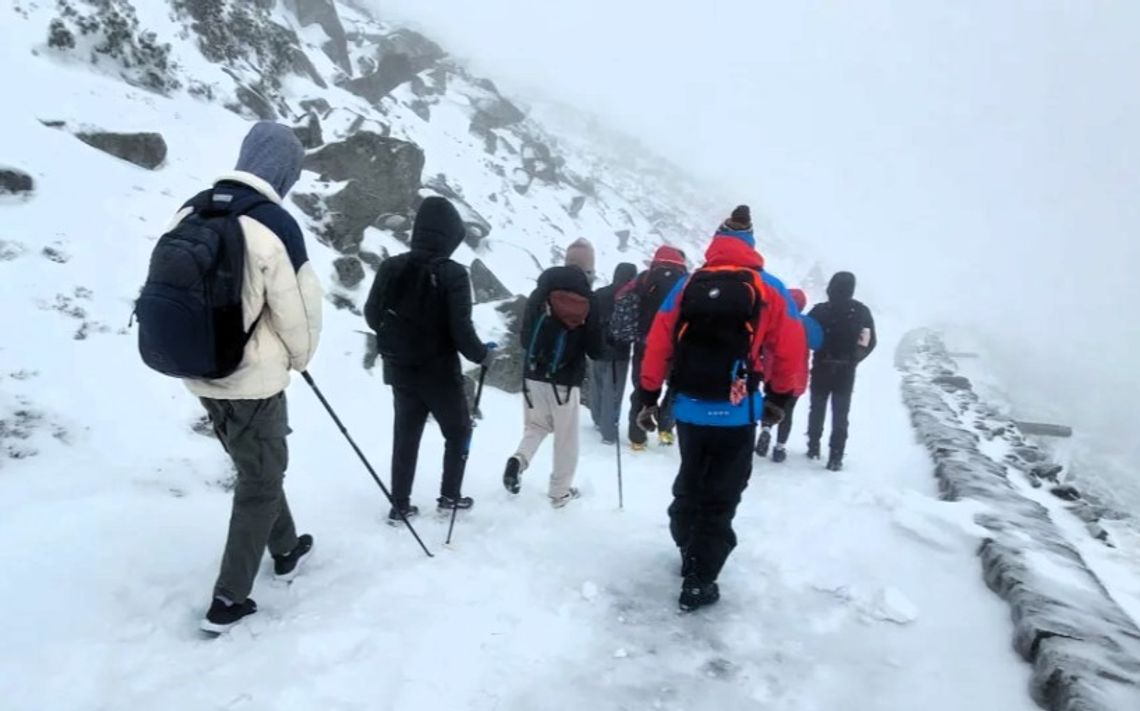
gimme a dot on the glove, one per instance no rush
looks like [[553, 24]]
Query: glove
[[773, 414], [647, 418], [492, 352]]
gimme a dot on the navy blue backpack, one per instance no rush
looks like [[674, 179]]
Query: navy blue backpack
[[190, 309]]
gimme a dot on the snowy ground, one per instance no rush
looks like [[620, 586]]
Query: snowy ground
[[855, 591]]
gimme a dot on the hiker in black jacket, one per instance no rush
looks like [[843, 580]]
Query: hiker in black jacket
[[559, 330], [609, 371], [848, 337], [420, 309]]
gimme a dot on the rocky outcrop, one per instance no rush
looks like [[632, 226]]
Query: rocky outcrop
[[507, 371], [486, 285], [1084, 649], [400, 57], [15, 183], [349, 271], [381, 175], [147, 150], [323, 13], [308, 131]]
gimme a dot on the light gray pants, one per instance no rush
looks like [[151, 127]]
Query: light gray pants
[[549, 413], [253, 433], [606, 395]]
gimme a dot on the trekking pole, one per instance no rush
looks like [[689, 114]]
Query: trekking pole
[[617, 443], [455, 503], [387, 494]]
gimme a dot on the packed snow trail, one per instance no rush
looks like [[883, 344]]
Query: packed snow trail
[[856, 590]]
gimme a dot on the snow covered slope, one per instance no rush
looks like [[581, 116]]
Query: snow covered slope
[[853, 592]]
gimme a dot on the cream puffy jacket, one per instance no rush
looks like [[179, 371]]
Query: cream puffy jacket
[[280, 287]]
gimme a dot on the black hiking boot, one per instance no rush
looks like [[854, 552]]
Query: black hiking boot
[[445, 503], [763, 442], [835, 461], [410, 512], [286, 567], [511, 475], [779, 454], [221, 617], [813, 450], [695, 594], [688, 563]]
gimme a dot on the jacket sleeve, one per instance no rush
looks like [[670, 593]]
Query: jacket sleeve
[[457, 291], [372, 308], [862, 352], [781, 337], [293, 298], [659, 344]]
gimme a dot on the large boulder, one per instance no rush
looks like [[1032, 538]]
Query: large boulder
[[383, 176], [400, 56], [308, 131], [349, 271], [507, 372], [147, 150], [15, 182], [486, 285], [389, 73]]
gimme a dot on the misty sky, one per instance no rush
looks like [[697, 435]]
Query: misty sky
[[975, 160]]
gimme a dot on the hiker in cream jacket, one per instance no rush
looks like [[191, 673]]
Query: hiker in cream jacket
[[281, 301]]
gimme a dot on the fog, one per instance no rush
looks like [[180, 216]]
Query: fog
[[975, 162]]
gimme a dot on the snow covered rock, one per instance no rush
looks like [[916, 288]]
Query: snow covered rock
[[147, 150], [349, 271], [15, 182], [1084, 648], [486, 285], [383, 176], [507, 372], [308, 131], [323, 13]]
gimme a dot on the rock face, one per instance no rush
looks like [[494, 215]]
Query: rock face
[[400, 56], [15, 182], [486, 285], [323, 13], [383, 176], [147, 150], [308, 131], [1084, 649]]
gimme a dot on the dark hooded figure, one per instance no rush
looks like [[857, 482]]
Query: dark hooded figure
[[420, 309], [848, 338], [608, 373]]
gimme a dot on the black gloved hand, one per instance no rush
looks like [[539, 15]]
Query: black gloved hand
[[647, 418]]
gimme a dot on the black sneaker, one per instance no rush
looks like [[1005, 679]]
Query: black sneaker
[[779, 454], [835, 462], [695, 594], [286, 567], [511, 475], [763, 442], [410, 512], [222, 617], [813, 450], [446, 503]]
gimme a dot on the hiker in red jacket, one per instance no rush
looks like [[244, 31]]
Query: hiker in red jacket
[[806, 334], [707, 338]]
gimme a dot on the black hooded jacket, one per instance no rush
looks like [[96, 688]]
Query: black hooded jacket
[[443, 329], [604, 302], [843, 320]]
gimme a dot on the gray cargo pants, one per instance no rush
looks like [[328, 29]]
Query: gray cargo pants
[[606, 395], [253, 434]]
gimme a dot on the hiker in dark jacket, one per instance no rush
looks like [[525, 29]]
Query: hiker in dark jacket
[[848, 337], [559, 330], [420, 309], [636, 306], [609, 371]]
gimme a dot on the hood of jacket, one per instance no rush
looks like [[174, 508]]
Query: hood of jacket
[[624, 273], [273, 153], [841, 287], [730, 250], [438, 229]]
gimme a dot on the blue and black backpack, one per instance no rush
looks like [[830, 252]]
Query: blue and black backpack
[[190, 309]]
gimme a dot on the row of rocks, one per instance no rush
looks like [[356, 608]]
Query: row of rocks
[[1084, 649]]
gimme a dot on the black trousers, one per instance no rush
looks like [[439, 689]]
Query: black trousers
[[716, 463], [444, 399], [784, 430], [832, 381]]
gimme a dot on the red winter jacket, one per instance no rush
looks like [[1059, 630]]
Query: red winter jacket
[[801, 354], [774, 335]]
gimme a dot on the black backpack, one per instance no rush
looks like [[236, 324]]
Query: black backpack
[[413, 318], [652, 290], [190, 314], [719, 313]]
